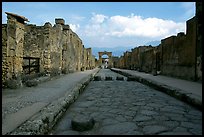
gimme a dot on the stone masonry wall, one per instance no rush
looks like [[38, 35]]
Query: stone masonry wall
[[4, 54], [14, 50], [148, 61], [34, 44], [199, 44], [57, 47], [62, 51], [176, 56]]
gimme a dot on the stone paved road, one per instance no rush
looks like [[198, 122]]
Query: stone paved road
[[127, 107]]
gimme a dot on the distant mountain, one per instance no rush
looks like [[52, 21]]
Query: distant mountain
[[117, 51], [153, 43]]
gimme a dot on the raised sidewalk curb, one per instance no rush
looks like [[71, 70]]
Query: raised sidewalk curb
[[42, 122], [172, 91]]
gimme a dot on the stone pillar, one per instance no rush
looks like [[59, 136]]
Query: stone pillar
[[110, 62], [15, 35], [65, 57], [47, 48], [89, 55], [57, 46]]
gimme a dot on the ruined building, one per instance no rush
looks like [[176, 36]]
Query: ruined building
[[40, 50], [177, 56]]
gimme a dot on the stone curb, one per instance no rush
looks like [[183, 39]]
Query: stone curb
[[172, 91], [43, 122]]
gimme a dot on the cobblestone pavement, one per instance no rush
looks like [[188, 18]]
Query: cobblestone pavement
[[130, 108]]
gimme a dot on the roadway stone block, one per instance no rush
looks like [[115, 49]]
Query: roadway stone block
[[97, 78], [82, 123], [120, 78], [108, 78], [31, 83]]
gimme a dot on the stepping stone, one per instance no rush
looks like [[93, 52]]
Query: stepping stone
[[97, 78], [108, 78], [31, 83], [82, 123], [120, 78]]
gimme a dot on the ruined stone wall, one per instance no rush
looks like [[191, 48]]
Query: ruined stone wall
[[115, 61], [58, 49], [139, 58], [178, 54], [80, 53], [56, 44], [74, 43], [89, 58], [14, 55], [199, 44], [85, 60], [148, 60], [135, 59], [93, 62], [4, 54], [121, 62], [33, 44], [42, 42], [127, 60], [65, 49]]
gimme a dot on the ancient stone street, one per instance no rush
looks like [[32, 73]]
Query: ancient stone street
[[130, 108], [99, 74]]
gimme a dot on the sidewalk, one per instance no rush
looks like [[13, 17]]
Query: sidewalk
[[34, 110], [187, 91]]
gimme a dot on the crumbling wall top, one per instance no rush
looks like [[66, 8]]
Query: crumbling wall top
[[48, 25], [66, 27], [18, 17], [180, 34], [59, 21]]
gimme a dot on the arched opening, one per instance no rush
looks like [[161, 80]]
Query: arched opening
[[105, 61]]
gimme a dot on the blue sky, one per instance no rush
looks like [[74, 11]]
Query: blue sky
[[110, 24]]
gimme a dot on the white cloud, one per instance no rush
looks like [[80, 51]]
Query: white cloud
[[74, 27], [132, 26], [98, 18]]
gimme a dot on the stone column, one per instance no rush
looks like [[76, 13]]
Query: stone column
[[47, 48], [15, 35], [65, 57], [58, 46], [110, 62]]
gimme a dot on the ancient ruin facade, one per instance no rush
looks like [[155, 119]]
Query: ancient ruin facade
[[177, 56], [46, 50], [109, 54]]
